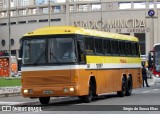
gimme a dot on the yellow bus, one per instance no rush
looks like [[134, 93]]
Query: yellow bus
[[98, 63]]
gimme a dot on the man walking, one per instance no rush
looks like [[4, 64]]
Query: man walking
[[144, 75]]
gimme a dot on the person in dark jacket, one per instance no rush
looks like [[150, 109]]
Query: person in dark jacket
[[144, 75]]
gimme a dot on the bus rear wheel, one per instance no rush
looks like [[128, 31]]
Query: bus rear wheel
[[129, 86], [123, 91], [44, 100]]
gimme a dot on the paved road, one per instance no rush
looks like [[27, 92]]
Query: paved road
[[141, 98]]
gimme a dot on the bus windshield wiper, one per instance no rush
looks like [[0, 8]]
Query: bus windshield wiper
[[38, 58], [55, 57]]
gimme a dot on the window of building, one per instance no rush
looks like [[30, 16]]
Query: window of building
[[13, 13], [89, 45], [12, 42], [3, 42], [124, 5], [72, 8], [21, 22], [96, 7], [56, 9], [22, 12], [98, 46], [13, 23], [81, 7], [158, 4], [57, 19], [151, 5], [24, 2], [3, 14], [13, 52], [32, 21], [43, 20], [32, 11], [2, 24], [141, 37], [45, 10], [139, 5], [13, 3]]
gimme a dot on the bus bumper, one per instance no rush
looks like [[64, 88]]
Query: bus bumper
[[36, 92]]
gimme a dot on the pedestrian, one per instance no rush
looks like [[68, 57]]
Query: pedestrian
[[144, 75]]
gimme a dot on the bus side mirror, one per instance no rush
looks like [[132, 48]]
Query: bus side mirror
[[20, 52]]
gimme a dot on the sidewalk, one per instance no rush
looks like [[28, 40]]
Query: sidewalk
[[8, 91]]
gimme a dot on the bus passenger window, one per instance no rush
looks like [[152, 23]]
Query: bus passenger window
[[133, 49], [128, 48], [137, 50], [89, 45], [114, 45], [122, 48], [107, 47], [98, 46]]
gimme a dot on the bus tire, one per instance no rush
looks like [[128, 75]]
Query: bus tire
[[88, 98], [44, 100], [123, 91], [129, 86]]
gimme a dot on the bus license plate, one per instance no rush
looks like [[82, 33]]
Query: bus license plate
[[47, 92]]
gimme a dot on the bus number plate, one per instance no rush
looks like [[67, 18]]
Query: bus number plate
[[47, 92]]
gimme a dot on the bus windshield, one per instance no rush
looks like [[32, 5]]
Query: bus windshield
[[48, 50], [157, 58]]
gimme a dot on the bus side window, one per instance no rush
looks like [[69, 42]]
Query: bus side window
[[81, 52], [107, 46], [133, 45], [89, 44], [122, 48]]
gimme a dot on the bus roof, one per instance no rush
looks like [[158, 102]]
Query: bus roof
[[77, 30]]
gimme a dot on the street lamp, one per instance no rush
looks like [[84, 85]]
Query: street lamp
[[49, 12], [9, 27]]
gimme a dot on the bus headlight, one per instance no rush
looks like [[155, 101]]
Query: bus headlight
[[71, 89], [157, 76], [25, 91]]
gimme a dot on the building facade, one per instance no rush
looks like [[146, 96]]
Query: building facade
[[131, 17]]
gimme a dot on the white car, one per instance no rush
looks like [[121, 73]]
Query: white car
[[156, 79]]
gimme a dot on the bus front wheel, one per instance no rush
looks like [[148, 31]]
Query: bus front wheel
[[88, 98], [44, 100]]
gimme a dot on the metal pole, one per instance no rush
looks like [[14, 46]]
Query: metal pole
[[49, 13], [101, 14], [9, 26]]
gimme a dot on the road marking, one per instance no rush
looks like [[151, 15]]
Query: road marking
[[10, 103]]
